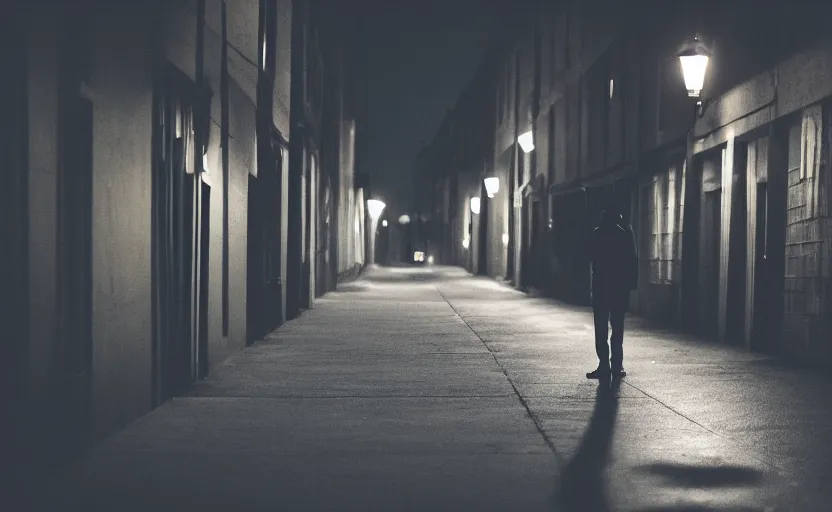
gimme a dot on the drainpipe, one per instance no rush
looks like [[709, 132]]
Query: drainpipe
[[297, 158], [225, 168]]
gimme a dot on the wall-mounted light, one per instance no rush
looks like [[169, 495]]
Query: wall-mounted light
[[384, 223], [492, 186], [694, 57], [475, 205], [526, 142], [404, 220], [505, 238], [466, 242], [375, 207]]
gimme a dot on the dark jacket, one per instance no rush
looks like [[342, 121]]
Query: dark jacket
[[614, 258]]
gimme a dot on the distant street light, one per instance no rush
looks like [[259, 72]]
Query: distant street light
[[375, 207], [475, 205], [526, 141], [492, 186], [384, 223], [404, 220], [694, 58]]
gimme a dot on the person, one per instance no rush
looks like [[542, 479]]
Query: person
[[614, 274]]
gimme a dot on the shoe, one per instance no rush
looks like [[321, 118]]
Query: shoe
[[597, 374], [619, 373]]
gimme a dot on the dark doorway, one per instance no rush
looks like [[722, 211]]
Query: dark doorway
[[527, 230], [483, 240], [256, 256], [14, 283], [738, 252], [761, 314], [177, 251], [710, 236], [264, 298], [73, 363], [204, 272]]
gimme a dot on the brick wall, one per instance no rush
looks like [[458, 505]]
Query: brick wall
[[808, 241]]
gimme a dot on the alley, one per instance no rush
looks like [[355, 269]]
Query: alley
[[429, 389]]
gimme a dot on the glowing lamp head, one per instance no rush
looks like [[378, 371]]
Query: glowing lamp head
[[492, 186], [466, 243], [375, 207], [694, 58], [404, 220], [384, 223], [475, 205], [526, 142]]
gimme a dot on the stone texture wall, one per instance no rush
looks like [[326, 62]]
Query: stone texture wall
[[808, 279]]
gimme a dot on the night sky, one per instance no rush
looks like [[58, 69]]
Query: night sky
[[410, 61]]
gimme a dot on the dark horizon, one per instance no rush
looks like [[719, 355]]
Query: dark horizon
[[405, 87]]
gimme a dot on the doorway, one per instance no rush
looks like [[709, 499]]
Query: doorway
[[73, 363], [737, 252], [180, 228], [264, 295], [710, 235], [483, 240], [761, 313], [14, 283]]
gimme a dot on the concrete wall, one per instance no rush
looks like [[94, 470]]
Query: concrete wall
[[122, 102], [347, 257], [43, 200], [284, 67], [241, 161]]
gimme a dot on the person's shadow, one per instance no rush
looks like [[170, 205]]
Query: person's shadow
[[582, 484]]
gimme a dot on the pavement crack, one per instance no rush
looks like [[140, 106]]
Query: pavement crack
[[517, 393], [756, 456]]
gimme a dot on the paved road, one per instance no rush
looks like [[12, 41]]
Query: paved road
[[427, 389]]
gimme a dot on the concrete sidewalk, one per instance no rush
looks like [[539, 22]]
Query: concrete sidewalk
[[427, 389]]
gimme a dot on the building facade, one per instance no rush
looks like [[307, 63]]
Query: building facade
[[169, 205], [595, 93]]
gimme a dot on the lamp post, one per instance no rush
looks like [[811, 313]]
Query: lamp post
[[694, 57], [374, 208], [526, 141], [475, 205], [492, 186]]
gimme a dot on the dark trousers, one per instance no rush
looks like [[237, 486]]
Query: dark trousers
[[608, 310]]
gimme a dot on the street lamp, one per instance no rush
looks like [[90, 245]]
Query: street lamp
[[384, 223], [492, 186], [526, 141], [375, 207], [475, 205], [694, 57], [404, 220]]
